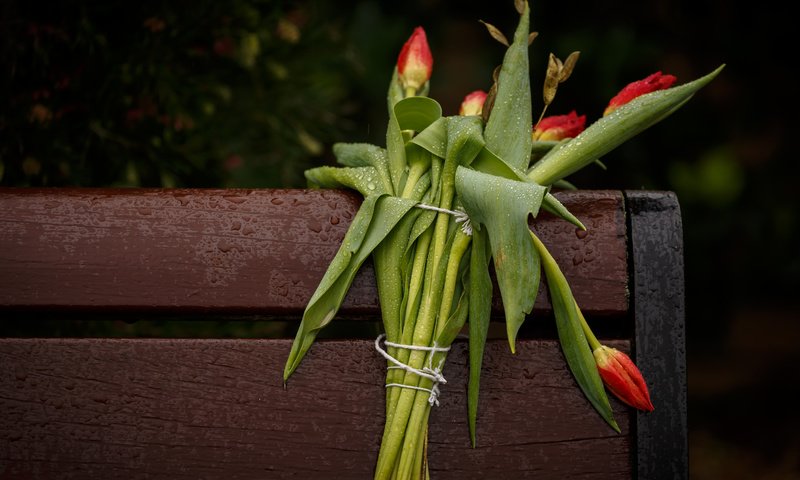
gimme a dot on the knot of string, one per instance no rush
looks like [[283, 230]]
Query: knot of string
[[460, 216], [434, 374]]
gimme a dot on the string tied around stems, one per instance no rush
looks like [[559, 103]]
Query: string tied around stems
[[430, 372], [459, 215]]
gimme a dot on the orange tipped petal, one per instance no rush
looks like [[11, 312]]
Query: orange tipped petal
[[654, 82], [622, 378], [473, 103], [415, 63], [559, 127]]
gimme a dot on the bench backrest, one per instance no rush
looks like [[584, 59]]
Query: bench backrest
[[217, 407]]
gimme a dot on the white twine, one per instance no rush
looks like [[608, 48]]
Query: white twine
[[432, 374], [460, 216]]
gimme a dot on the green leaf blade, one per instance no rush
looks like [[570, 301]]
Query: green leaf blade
[[508, 131], [503, 206], [377, 217], [365, 180], [570, 334], [609, 132], [433, 138], [417, 113], [480, 310]]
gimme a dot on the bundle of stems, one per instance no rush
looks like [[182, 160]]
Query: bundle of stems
[[447, 196]]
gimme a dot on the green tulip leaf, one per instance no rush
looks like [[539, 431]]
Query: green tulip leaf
[[394, 137], [552, 205], [359, 154], [508, 131], [565, 185], [434, 138], [417, 113], [488, 162], [464, 142], [362, 155], [480, 311], [376, 217], [365, 180], [541, 147], [614, 129], [389, 258], [570, 333], [395, 93], [503, 206]]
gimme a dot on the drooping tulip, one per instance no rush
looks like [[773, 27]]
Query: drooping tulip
[[654, 82], [622, 377]]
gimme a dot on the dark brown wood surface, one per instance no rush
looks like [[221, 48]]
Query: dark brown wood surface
[[169, 409], [247, 252], [180, 408]]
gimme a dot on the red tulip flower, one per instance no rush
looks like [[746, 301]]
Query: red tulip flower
[[654, 82], [559, 127], [622, 378], [473, 103], [415, 63]]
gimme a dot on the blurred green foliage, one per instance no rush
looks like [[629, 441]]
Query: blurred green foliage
[[240, 93]]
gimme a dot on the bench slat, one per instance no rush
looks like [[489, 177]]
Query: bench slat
[[167, 408], [660, 332], [239, 252]]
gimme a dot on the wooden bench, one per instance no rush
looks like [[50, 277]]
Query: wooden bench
[[102, 408]]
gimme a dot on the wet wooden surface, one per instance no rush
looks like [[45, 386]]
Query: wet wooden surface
[[217, 408], [660, 333], [171, 408], [240, 252]]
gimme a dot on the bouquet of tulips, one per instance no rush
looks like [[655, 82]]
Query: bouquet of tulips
[[447, 196]]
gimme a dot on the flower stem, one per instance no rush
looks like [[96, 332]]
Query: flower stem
[[418, 429], [415, 172], [409, 320], [460, 244], [402, 432], [418, 422], [422, 333], [593, 343]]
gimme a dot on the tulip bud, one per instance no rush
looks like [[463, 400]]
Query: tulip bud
[[473, 103], [654, 82], [622, 378], [415, 63], [559, 127]]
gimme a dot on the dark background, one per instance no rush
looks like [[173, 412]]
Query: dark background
[[250, 94]]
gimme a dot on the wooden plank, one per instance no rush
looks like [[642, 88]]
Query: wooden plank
[[660, 341], [158, 408], [248, 252]]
